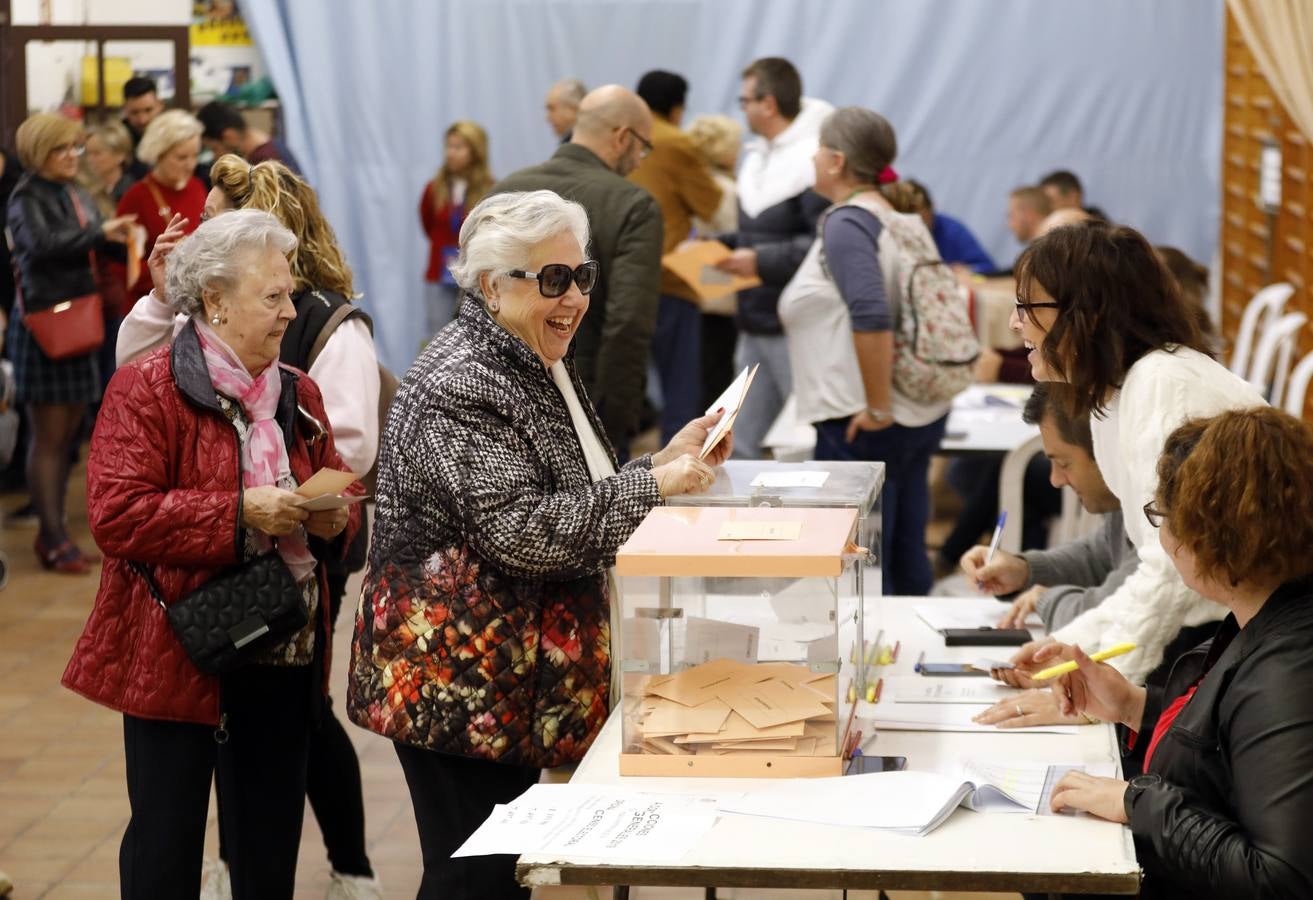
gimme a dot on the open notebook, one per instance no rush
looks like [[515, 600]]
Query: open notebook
[[909, 802]]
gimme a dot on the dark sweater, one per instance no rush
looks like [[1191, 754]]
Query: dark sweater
[[781, 235]]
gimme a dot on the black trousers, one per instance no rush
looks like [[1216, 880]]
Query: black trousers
[[333, 784], [452, 796], [261, 773]]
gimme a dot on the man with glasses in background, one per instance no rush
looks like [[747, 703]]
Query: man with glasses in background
[[612, 134], [777, 222], [680, 180]]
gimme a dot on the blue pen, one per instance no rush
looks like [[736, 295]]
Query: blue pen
[[998, 535], [919, 661]]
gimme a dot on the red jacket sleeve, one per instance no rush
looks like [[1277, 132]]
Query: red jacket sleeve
[[133, 512], [323, 454], [427, 214]]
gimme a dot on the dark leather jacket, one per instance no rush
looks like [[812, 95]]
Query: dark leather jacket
[[51, 246], [1233, 816]]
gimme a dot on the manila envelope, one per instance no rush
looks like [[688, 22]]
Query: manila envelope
[[737, 728], [695, 686], [670, 718], [325, 483], [695, 265], [772, 702]]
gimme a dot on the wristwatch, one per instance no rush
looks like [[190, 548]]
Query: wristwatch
[[880, 415], [1137, 786]]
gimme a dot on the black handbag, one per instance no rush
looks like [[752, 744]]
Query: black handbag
[[236, 615]]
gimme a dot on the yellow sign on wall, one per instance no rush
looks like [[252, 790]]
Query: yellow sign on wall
[[118, 69]]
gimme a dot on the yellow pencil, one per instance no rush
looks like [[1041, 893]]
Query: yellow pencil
[[1070, 665]]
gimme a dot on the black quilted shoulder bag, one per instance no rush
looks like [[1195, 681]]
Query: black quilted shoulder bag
[[236, 615]]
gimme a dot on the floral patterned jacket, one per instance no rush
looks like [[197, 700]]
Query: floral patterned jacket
[[484, 621]]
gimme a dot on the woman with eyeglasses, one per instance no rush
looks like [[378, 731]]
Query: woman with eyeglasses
[[482, 646], [1220, 758], [196, 456], [56, 228], [346, 370], [1098, 310]]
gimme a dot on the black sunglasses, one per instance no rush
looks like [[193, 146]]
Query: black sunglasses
[[554, 278], [1153, 514]]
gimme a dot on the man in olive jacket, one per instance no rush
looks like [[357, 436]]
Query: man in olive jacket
[[613, 132]]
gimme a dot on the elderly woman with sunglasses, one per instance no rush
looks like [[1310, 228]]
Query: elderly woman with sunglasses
[[1220, 798], [1099, 311], [197, 452], [482, 646]]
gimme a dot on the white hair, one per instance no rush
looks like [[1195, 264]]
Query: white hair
[[501, 232], [165, 131], [570, 91], [216, 254]]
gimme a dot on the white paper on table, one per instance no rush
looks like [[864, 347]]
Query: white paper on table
[[581, 820], [730, 401], [329, 501], [1018, 787], [788, 479], [967, 612], [918, 689], [902, 801], [946, 717]]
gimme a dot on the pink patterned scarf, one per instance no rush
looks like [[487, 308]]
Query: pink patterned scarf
[[264, 455]]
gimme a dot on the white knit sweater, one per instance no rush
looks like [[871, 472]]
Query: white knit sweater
[[1162, 390]]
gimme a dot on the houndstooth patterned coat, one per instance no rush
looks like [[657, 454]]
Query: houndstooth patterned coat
[[483, 627]]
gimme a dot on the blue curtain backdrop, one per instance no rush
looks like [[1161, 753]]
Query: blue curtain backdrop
[[985, 96]]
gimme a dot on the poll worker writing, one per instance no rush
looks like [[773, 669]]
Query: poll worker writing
[[483, 641], [1061, 583], [1098, 311], [1224, 807]]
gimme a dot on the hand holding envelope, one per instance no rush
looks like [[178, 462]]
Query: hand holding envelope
[[323, 491]]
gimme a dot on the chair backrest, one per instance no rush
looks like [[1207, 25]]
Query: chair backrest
[[1262, 311], [1272, 357], [1297, 386]]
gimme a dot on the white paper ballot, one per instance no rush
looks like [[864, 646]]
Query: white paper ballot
[[594, 822], [902, 801], [918, 689], [789, 479], [967, 612], [946, 717], [730, 401], [329, 501]]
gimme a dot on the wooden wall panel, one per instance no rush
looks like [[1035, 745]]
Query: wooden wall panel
[[1252, 116]]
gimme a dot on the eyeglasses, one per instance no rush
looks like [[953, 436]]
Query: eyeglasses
[[75, 149], [554, 278], [744, 101], [647, 145], [1153, 514], [1024, 306]]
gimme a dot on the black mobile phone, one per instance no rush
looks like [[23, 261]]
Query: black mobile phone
[[863, 765], [986, 637], [964, 669]]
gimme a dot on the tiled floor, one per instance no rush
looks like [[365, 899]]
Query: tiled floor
[[62, 800]]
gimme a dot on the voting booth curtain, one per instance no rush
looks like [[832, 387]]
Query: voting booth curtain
[[985, 97]]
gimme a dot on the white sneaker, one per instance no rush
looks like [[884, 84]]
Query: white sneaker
[[354, 887], [215, 881]]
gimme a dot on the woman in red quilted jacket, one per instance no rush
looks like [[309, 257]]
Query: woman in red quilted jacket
[[197, 451]]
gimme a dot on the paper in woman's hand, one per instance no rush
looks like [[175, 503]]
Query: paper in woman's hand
[[323, 490]]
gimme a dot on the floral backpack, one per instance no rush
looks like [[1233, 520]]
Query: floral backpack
[[935, 343]]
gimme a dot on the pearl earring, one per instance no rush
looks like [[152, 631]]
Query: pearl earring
[[493, 306], [214, 319]]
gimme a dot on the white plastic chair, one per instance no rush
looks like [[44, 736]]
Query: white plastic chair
[[1264, 309], [1297, 386], [1272, 359]]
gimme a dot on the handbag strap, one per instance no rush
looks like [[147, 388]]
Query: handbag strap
[[82, 220], [150, 582]]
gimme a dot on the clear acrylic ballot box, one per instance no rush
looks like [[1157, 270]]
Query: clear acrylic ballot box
[[738, 645], [815, 483]]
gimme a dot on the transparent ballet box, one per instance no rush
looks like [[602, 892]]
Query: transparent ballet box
[[738, 636]]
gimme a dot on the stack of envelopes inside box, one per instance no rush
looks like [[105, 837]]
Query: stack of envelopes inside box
[[724, 708]]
